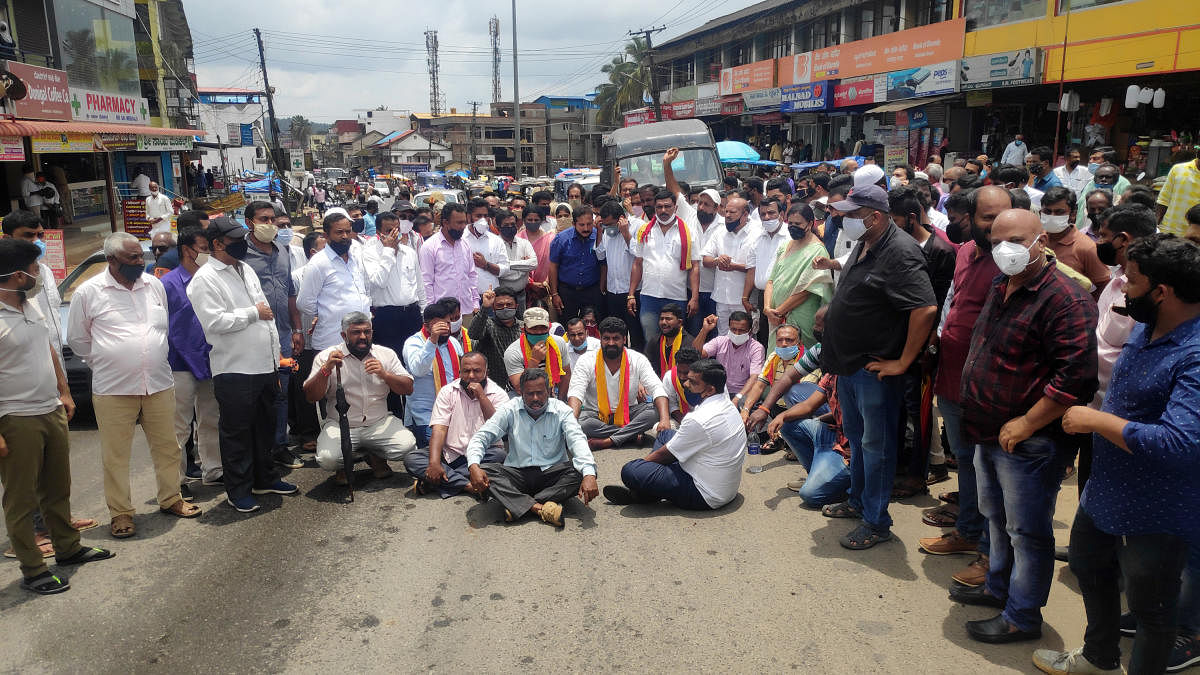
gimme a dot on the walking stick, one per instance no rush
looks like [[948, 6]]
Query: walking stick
[[342, 406]]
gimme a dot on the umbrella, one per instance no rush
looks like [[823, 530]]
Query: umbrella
[[737, 151], [342, 406]]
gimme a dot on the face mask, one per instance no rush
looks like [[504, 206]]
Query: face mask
[[771, 226], [1105, 184], [666, 220], [692, 399], [202, 258], [955, 232], [1036, 169], [535, 409], [508, 232], [575, 203], [358, 225], [265, 232], [506, 314], [535, 339], [580, 349], [340, 248], [1142, 309], [479, 227], [705, 217], [1107, 252], [638, 211], [41, 247], [611, 351], [130, 272], [733, 226], [1011, 258], [1055, 224], [454, 234], [802, 193], [787, 353], [456, 325], [1092, 166], [796, 232], [611, 231], [34, 288], [739, 339], [981, 239], [284, 236], [406, 226], [854, 228]]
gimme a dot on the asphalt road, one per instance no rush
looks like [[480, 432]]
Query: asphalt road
[[402, 584]]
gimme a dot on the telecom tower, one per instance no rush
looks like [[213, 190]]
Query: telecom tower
[[494, 31], [436, 100]]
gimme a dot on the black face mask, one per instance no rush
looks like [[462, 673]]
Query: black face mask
[[611, 351], [237, 250], [802, 193], [130, 272], [955, 232], [732, 226], [981, 239], [1142, 309], [1107, 252], [359, 350], [358, 224], [454, 234], [796, 232], [508, 232], [340, 247], [706, 218], [533, 227]]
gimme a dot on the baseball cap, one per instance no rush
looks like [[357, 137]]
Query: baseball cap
[[535, 317], [403, 205], [713, 195], [229, 227], [867, 175], [871, 196]]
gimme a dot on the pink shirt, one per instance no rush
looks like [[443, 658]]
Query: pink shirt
[[541, 248], [741, 363], [461, 415], [448, 269], [1112, 332]]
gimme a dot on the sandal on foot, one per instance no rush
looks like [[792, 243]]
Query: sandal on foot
[[552, 513], [840, 510], [949, 497], [45, 584], [863, 537], [122, 527], [508, 516], [182, 509], [942, 516], [43, 543], [82, 524], [789, 456], [905, 489], [86, 554]]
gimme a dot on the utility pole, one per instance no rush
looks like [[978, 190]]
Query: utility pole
[[474, 113], [646, 33], [274, 148], [516, 103]]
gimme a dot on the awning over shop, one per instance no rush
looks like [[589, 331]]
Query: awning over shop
[[34, 127], [907, 103]]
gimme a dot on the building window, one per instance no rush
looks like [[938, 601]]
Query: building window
[[97, 47], [779, 43], [710, 65], [742, 53], [527, 155], [932, 11], [889, 17], [1068, 5], [683, 72], [833, 29], [866, 23], [982, 13], [818, 35]]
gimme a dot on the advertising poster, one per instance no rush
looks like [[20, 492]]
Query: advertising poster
[[1007, 69], [860, 91], [134, 217], [47, 95], [940, 78], [12, 149], [893, 156], [758, 75], [805, 97], [56, 254]]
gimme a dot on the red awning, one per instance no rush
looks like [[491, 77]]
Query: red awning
[[34, 127]]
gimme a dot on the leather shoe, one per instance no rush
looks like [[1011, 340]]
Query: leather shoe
[[974, 595], [998, 631]]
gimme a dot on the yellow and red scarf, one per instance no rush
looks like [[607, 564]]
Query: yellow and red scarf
[[620, 416], [553, 357], [685, 241], [666, 359], [684, 406], [466, 341], [440, 377]]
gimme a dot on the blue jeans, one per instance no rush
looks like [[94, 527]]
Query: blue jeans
[[1189, 593], [648, 309], [970, 524], [650, 481], [707, 306], [870, 421], [421, 432], [1017, 493], [828, 476]]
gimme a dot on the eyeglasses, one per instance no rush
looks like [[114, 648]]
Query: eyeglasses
[[156, 249]]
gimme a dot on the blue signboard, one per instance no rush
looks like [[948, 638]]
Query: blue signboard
[[937, 78], [804, 97], [247, 135], [917, 118]]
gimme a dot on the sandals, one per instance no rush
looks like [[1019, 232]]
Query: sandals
[[863, 537], [942, 516], [949, 497], [86, 554], [182, 509], [122, 527], [82, 524], [905, 489], [772, 446], [840, 510], [45, 584], [552, 513]]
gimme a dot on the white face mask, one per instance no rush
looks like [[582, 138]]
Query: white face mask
[[456, 326], [480, 226], [771, 226], [1055, 224], [739, 339], [666, 220], [1011, 258], [201, 258], [854, 228], [405, 226]]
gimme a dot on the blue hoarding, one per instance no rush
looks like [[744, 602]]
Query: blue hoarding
[[804, 97]]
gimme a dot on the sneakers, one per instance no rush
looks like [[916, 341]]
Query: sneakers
[[948, 544], [1185, 653], [975, 573], [1067, 663], [1128, 624], [286, 458], [277, 488], [244, 504], [796, 485], [937, 474], [218, 480], [193, 472]]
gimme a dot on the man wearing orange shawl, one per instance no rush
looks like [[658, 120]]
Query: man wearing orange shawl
[[536, 348], [605, 387], [670, 338]]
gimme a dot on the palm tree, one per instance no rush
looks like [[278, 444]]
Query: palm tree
[[628, 83], [300, 128]]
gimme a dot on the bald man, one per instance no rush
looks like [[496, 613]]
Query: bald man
[[730, 251], [849, 166], [1032, 356]]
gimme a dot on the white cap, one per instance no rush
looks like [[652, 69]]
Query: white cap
[[867, 175], [713, 195]]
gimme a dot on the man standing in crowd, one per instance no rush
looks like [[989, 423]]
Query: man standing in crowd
[[548, 458], [118, 325], [158, 210], [704, 221], [432, 357], [488, 252], [615, 252], [397, 294], [878, 322], [494, 328], [1073, 175], [369, 373], [574, 266], [1015, 152], [771, 234], [458, 411], [729, 251], [1032, 356], [666, 265], [1071, 247], [1038, 163], [700, 465], [604, 393], [162, 245], [240, 326], [448, 265], [521, 257], [335, 283], [1180, 193], [35, 405]]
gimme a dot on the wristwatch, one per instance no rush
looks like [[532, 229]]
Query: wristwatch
[[932, 350]]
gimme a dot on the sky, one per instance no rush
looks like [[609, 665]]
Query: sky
[[328, 59]]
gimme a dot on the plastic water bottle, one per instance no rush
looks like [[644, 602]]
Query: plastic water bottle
[[754, 450]]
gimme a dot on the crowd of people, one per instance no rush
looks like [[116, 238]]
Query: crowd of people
[[490, 348]]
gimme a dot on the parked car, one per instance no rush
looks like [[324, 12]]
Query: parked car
[[450, 195], [382, 188]]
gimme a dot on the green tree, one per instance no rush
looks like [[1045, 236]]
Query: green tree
[[301, 128], [628, 83]]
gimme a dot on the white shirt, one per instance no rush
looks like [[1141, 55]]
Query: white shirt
[[740, 247], [938, 219], [1035, 198], [50, 302], [711, 446], [661, 276], [28, 384], [158, 212], [29, 188], [493, 250], [641, 373], [691, 217], [142, 184], [305, 319], [615, 253], [366, 394], [592, 345], [1075, 180], [765, 247], [522, 260], [225, 300], [122, 334], [1112, 332], [331, 289], [393, 275]]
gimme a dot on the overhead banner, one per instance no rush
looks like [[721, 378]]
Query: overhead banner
[[940, 78], [904, 49], [116, 142], [47, 96], [12, 149], [168, 143], [732, 105], [51, 142], [100, 106], [679, 110], [795, 69], [805, 97], [860, 91], [762, 99], [758, 75], [1007, 69], [707, 106]]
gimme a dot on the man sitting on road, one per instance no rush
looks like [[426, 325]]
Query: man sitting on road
[[699, 466], [537, 348], [548, 457], [787, 352], [432, 358], [615, 393], [458, 411], [671, 338], [680, 400], [579, 342], [368, 373], [737, 351], [813, 431]]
